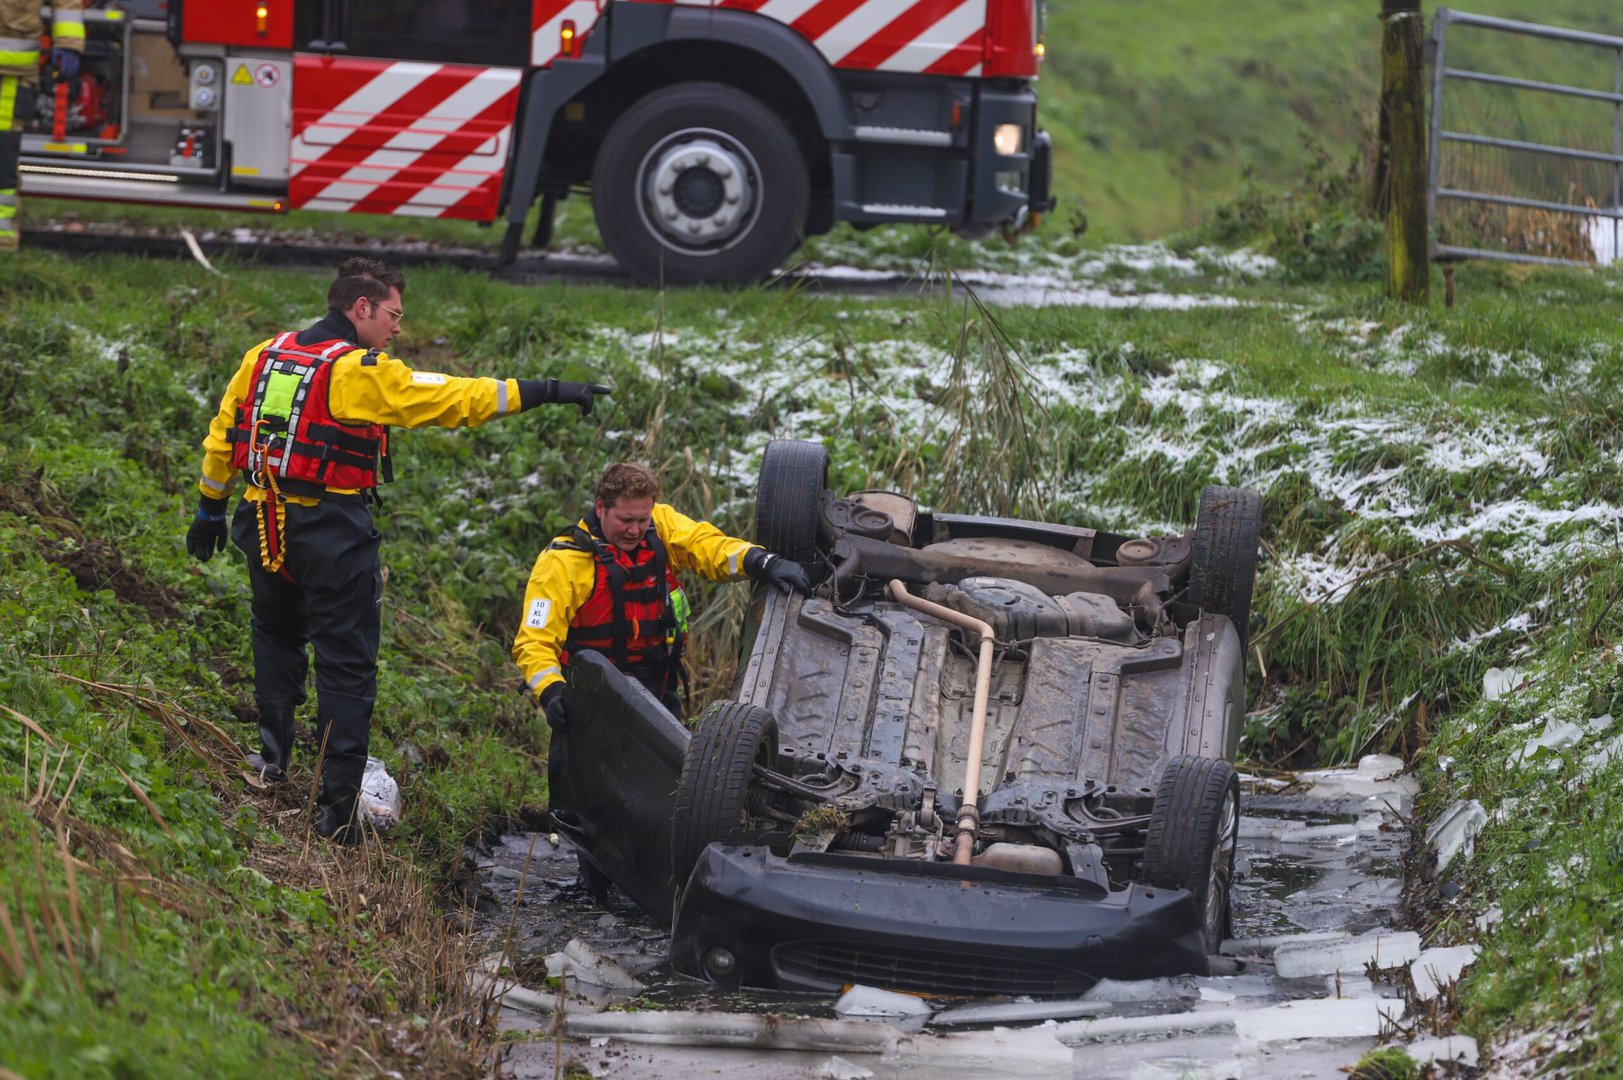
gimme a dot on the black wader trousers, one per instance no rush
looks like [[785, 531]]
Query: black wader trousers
[[333, 603]]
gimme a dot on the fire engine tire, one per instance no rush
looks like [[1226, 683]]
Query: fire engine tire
[[788, 498], [1223, 569], [700, 184], [1193, 832], [712, 796]]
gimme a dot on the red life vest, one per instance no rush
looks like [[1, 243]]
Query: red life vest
[[636, 613], [286, 434]]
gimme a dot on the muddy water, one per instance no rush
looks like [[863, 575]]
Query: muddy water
[[1318, 855]]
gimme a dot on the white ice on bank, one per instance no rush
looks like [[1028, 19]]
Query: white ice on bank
[[1454, 833], [1459, 1049], [1557, 736], [1435, 969], [1293, 960], [1498, 682]]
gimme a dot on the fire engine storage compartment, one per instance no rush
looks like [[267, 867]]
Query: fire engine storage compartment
[[810, 840], [152, 122]]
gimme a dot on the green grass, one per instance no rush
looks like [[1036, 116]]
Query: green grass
[[1377, 432]]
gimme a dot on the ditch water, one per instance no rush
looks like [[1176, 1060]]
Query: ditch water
[[1317, 901]]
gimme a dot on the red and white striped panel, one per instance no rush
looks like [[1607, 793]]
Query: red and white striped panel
[[414, 139], [932, 37], [547, 20]]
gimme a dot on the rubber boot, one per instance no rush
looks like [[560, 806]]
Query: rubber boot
[[275, 741], [336, 802]]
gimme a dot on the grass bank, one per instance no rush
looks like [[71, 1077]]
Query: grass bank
[[1442, 492]]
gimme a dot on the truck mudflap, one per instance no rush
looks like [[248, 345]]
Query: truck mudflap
[[818, 922]]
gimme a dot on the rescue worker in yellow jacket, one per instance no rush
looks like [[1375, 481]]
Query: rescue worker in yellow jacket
[[609, 584], [20, 30], [304, 421]]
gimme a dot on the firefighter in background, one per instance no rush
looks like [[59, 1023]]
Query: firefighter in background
[[609, 584], [304, 420], [20, 30]]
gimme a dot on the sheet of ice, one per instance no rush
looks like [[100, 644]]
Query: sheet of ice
[[868, 1001], [1138, 1028], [737, 1029], [1267, 944], [1460, 1049], [1454, 833], [1435, 969], [1354, 783], [1229, 987], [585, 965], [1018, 1012], [1325, 1018], [1119, 991], [1608, 753], [1352, 956], [1380, 765], [837, 1068], [1557, 735], [1185, 1068]]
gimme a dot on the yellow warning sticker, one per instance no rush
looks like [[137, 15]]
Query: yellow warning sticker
[[240, 77]]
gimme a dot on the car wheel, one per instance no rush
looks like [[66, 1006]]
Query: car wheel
[[1194, 829], [1223, 570], [788, 498], [699, 183], [712, 796]]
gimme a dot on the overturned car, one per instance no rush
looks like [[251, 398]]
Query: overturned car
[[986, 756]]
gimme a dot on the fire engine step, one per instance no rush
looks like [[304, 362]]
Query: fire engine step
[[138, 188]]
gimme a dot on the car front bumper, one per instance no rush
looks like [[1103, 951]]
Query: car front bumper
[[821, 921]]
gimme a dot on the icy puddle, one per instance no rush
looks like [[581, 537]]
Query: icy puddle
[[1291, 996]]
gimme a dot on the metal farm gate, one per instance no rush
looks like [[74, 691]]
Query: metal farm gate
[[1524, 169]]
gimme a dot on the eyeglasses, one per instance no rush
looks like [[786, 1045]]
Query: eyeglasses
[[397, 316]]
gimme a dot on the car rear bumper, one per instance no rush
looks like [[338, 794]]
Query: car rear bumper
[[818, 922]]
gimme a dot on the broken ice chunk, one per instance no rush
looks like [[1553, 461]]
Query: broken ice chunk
[[1454, 832], [1499, 681], [866, 1001], [1352, 956], [1437, 968]]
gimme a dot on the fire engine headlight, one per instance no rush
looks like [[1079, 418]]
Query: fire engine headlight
[[1007, 139]]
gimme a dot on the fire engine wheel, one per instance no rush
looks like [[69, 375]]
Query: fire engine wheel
[[699, 184], [712, 796], [1193, 832]]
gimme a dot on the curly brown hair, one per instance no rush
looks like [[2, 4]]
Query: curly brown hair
[[626, 480]]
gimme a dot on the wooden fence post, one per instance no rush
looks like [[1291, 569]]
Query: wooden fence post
[[1403, 118]]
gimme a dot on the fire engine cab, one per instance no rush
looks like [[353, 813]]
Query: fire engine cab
[[713, 135]]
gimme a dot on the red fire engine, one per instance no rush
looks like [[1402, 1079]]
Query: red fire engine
[[713, 134]]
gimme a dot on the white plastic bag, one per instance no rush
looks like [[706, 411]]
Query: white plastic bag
[[380, 796]]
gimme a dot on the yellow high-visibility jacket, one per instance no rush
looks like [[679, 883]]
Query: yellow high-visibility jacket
[[21, 26], [563, 579], [385, 392]]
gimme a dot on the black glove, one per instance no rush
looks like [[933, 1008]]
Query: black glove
[[533, 392], [65, 62], [207, 533], [786, 574], [552, 700]]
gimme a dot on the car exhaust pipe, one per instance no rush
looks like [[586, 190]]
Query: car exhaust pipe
[[969, 814]]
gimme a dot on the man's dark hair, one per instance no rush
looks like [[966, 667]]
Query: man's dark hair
[[626, 481], [360, 277]]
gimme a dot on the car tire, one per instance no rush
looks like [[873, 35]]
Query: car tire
[[1223, 570], [789, 496], [700, 183], [712, 796], [1193, 832]]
